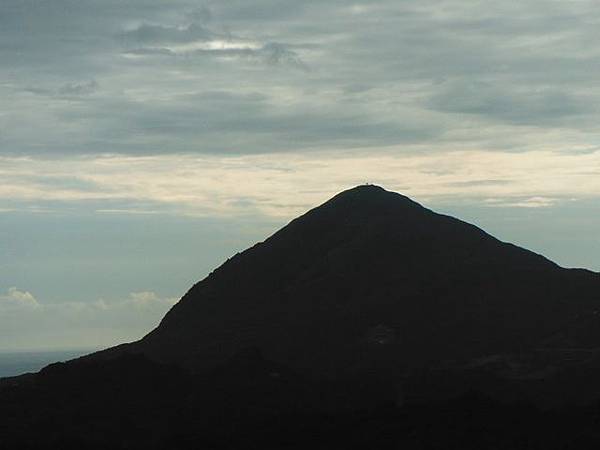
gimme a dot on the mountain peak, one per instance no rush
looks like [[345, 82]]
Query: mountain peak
[[369, 192], [364, 188], [367, 197], [359, 205]]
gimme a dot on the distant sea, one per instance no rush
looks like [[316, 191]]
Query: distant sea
[[17, 363]]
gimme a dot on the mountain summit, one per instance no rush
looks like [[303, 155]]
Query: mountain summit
[[373, 282]]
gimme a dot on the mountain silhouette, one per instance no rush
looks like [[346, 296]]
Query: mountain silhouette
[[370, 321], [373, 282]]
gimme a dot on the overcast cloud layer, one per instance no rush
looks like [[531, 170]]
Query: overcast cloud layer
[[239, 77], [239, 115]]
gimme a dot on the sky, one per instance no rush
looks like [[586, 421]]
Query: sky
[[144, 142]]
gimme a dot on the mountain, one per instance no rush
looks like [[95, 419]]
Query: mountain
[[373, 282], [369, 321]]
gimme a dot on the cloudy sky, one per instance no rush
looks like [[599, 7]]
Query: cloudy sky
[[143, 142]]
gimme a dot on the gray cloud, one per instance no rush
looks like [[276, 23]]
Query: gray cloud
[[272, 53], [331, 75], [158, 34], [531, 106], [78, 89], [67, 90], [221, 122], [277, 53], [196, 40]]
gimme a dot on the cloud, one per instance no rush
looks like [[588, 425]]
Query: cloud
[[149, 51], [257, 185], [27, 323], [148, 299], [78, 89], [25, 301], [529, 106], [194, 40], [530, 202], [67, 90], [277, 53], [162, 35], [271, 53], [467, 76], [201, 14], [16, 299]]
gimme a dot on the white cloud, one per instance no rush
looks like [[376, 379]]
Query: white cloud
[[15, 298], [27, 323], [531, 202], [256, 185], [146, 299]]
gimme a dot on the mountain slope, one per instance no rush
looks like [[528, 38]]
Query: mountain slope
[[371, 281]]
